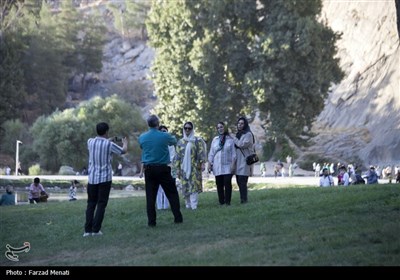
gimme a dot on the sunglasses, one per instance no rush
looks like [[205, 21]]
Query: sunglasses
[[188, 128]]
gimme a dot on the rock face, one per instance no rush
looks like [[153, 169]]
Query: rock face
[[361, 115]]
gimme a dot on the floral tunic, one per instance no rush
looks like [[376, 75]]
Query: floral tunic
[[198, 156]]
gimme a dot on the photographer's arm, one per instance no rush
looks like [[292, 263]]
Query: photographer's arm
[[124, 145]]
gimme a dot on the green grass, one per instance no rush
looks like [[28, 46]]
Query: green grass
[[307, 226]]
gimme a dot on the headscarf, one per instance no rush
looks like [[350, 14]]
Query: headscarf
[[222, 137], [186, 163], [246, 128]]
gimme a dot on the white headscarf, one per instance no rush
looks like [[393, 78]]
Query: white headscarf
[[186, 163]]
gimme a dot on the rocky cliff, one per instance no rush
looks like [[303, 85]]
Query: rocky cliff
[[361, 115]]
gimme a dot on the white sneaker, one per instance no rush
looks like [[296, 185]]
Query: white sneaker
[[97, 233], [87, 234], [188, 206]]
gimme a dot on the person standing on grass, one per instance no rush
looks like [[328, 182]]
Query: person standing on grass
[[190, 161], [101, 150], [72, 190], [343, 176], [162, 200], [222, 159], [326, 180], [155, 161], [244, 143]]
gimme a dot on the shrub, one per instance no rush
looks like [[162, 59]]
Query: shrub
[[34, 170]]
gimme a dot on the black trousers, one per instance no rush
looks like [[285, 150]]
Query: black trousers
[[224, 188], [98, 195], [156, 175], [242, 183]]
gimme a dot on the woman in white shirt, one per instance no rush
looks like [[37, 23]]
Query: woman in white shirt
[[222, 158]]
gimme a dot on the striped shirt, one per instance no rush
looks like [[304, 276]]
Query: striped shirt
[[100, 157]]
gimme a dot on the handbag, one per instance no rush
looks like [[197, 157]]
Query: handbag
[[251, 159]]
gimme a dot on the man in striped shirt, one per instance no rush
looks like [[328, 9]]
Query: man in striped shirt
[[101, 150]]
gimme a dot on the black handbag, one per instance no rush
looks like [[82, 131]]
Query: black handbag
[[252, 159]]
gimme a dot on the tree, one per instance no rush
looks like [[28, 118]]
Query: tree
[[69, 22], [130, 16], [12, 90], [67, 132], [89, 50], [217, 60], [294, 65], [14, 130], [45, 75]]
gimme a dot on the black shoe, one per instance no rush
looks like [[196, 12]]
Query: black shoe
[[151, 224], [178, 220]]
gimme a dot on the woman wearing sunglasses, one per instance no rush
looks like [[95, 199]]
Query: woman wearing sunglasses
[[190, 159]]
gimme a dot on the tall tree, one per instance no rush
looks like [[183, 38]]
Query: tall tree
[[216, 60], [89, 50], [12, 90], [45, 75], [130, 16], [294, 64], [69, 22]]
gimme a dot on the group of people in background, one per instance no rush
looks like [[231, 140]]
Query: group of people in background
[[349, 176]]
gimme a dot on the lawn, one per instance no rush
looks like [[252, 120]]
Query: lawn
[[290, 226]]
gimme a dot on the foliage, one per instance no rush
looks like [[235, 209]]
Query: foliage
[[217, 60], [13, 130], [284, 150], [67, 132], [35, 170], [12, 91], [268, 149], [200, 62], [130, 16], [39, 51], [133, 92]]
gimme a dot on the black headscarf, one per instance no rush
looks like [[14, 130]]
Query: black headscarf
[[246, 127]]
